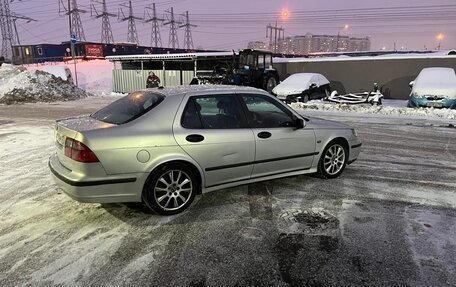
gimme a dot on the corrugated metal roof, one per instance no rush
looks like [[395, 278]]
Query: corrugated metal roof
[[189, 56]]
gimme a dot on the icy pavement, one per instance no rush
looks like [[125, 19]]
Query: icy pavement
[[387, 221]]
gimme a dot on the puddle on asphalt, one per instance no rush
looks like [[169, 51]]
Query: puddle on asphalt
[[307, 238]]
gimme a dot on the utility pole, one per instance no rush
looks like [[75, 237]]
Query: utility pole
[[74, 18], [106, 30], [155, 38], [188, 32], [75, 29], [173, 40], [132, 35], [279, 34]]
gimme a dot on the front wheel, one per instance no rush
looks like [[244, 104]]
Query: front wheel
[[333, 159], [171, 189]]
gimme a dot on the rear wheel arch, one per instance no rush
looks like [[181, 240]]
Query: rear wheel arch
[[171, 187], [188, 164]]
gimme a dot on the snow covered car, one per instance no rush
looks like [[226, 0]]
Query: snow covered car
[[302, 87], [434, 87], [163, 146]]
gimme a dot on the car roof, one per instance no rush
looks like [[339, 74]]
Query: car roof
[[305, 77], [203, 89], [437, 75]]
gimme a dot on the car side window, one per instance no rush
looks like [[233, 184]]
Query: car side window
[[213, 112], [191, 118], [264, 112]]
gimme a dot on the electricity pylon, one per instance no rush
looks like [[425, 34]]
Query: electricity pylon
[[8, 28], [106, 30], [173, 40], [132, 35], [75, 22], [188, 32], [155, 38]]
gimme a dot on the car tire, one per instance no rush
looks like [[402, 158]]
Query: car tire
[[269, 84], [333, 159], [170, 189], [304, 98]]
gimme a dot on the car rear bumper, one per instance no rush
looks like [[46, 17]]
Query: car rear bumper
[[109, 189], [416, 102]]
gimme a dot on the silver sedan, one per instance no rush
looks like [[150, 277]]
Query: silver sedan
[[164, 146]]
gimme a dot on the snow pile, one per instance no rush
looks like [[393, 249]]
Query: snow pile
[[17, 85], [386, 109], [94, 76]]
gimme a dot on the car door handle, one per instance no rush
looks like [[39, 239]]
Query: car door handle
[[264, 135], [194, 138]]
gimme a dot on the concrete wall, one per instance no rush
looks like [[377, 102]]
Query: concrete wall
[[357, 75]]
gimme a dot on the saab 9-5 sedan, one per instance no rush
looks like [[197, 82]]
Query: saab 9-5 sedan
[[163, 146]]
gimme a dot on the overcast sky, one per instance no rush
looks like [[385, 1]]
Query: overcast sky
[[231, 24]]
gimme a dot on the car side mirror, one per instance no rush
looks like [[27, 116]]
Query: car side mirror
[[299, 124], [411, 84], [313, 85]]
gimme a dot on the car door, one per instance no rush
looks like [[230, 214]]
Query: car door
[[280, 147], [214, 132]]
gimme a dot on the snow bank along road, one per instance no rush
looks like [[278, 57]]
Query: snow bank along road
[[389, 220]]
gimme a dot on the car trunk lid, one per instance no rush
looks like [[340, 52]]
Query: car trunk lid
[[73, 128]]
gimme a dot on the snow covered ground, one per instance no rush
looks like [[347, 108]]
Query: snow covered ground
[[389, 220], [389, 107]]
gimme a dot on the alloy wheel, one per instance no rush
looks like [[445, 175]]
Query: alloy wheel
[[173, 190], [334, 159]]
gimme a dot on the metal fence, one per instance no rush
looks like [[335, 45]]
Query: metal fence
[[127, 81]]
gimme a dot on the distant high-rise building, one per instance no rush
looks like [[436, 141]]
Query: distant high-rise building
[[258, 45], [309, 43]]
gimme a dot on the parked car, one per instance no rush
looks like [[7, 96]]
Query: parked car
[[302, 87], [163, 146], [434, 87]]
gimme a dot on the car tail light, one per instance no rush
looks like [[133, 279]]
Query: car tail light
[[78, 151]]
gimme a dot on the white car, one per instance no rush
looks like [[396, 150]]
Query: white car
[[434, 87], [302, 87]]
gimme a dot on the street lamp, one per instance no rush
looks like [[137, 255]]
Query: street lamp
[[440, 37], [345, 27]]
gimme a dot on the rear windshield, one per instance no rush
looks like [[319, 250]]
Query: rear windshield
[[128, 108]]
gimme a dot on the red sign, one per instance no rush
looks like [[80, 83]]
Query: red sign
[[94, 50]]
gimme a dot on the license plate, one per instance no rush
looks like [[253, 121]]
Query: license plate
[[434, 104]]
